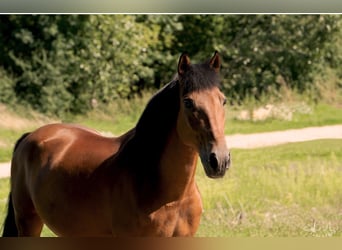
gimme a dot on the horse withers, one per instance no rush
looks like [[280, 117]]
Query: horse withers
[[141, 183]]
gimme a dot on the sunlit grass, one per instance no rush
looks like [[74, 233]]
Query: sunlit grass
[[321, 114], [287, 190]]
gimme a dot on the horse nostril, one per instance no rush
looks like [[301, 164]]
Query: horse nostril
[[213, 161]]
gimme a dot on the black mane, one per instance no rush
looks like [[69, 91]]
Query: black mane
[[141, 153], [153, 127], [160, 113]]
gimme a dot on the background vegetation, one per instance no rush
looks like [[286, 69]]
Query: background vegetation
[[68, 64]]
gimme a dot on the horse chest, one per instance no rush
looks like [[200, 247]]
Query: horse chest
[[164, 220], [176, 219]]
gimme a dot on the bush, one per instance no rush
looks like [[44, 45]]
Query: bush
[[7, 88], [63, 63], [262, 53]]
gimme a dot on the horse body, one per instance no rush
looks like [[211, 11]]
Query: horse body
[[142, 183], [91, 181]]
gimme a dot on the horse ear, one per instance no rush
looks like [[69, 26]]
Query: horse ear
[[183, 64], [215, 62]]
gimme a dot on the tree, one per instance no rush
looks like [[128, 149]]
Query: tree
[[261, 52], [37, 50], [60, 63], [63, 62]]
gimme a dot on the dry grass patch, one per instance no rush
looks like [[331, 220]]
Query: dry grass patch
[[9, 119]]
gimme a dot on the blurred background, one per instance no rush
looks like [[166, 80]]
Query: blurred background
[[70, 64]]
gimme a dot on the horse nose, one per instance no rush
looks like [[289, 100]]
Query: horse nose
[[215, 163]]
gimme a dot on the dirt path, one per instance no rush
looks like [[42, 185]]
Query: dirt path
[[260, 139], [5, 170], [282, 137]]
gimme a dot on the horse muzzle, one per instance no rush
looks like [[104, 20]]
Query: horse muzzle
[[215, 164]]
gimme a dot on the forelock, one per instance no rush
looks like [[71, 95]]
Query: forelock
[[199, 77]]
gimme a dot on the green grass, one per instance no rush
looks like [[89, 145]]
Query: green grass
[[320, 115], [287, 190], [8, 137]]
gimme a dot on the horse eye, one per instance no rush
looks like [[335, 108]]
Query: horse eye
[[224, 101], [188, 103]]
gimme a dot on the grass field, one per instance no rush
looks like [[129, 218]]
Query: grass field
[[288, 190], [301, 116], [119, 117]]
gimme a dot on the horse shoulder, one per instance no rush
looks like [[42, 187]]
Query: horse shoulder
[[190, 210], [177, 218]]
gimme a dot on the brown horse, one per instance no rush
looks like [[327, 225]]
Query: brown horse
[[80, 183]]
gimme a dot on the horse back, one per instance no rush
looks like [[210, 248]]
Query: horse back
[[66, 147]]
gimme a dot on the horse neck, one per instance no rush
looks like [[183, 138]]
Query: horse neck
[[161, 165], [165, 178], [177, 168]]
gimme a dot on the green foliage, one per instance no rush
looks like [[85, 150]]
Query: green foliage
[[37, 50], [7, 86], [262, 53], [62, 64]]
